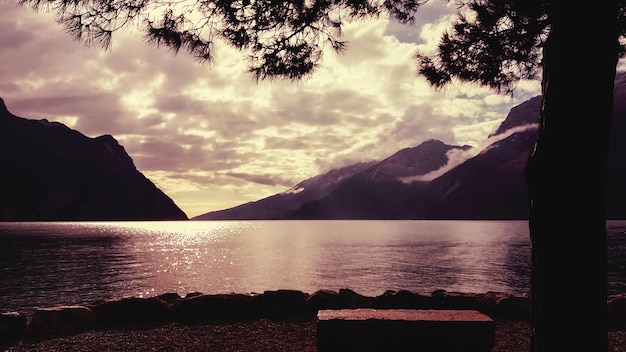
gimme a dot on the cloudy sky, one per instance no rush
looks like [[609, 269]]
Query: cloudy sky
[[211, 137]]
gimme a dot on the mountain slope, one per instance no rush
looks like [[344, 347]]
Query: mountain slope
[[492, 184], [489, 185], [51, 172], [365, 190], [378, 192], [278, 205]]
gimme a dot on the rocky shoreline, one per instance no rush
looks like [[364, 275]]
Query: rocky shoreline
[[280, 305]]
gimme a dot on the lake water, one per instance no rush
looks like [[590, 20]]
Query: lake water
[[46, 264]]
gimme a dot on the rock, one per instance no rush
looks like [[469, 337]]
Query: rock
[[351, 299], [61, 320], [514, 307], [193, 294], [12, 326], [401, 299], [487, 302], [453, 300], [282, 303], [220, 306], [616, 309], [133, 310], [169, 298], [322, 299]]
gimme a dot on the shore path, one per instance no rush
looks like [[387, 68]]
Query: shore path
[[258, 335]]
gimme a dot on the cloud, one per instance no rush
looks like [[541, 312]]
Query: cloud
[[210, 135], [269, 180], [430, 12], [457, 157]]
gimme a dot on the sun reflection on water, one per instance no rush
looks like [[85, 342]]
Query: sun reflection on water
[[73, 263], [202, 253]]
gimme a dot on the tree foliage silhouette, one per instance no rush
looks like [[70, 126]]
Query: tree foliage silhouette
[[576, 49], [282, 39], [573, 46]]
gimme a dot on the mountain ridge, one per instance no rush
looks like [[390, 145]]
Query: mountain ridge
[[54, 173], [487, 185]]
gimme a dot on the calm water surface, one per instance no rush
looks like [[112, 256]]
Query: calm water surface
[[45, 264]]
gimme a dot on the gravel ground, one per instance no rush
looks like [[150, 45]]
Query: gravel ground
[[260, 335]]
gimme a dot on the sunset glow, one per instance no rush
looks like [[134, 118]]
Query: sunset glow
[[210, 137]]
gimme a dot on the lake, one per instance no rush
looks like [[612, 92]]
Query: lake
[[51, 263]]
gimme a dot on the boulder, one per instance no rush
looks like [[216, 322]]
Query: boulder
[[169, 297], [193, 294], [616, 309], [12, 327], [352, 299], [322, 299], [453, 300], [219, 306], [486, 303], [133, 310], [61, 320], [514, 307], [401, 299], [282, 303]]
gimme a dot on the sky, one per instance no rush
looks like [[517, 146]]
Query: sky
[[211, 137]]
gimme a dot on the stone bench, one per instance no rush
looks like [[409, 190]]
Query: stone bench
[[404, 330]]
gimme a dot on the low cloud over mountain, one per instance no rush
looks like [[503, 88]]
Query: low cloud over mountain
[[439, 181]]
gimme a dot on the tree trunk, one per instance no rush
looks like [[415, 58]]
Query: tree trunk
[[566, 176]]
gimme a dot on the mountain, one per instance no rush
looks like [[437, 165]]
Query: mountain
[[51, 172], [425, 182], [382, 191], [490, 185], [350, 192], [276, 206]]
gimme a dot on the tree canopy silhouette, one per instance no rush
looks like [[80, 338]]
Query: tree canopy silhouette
[[282, 39], [573, 46]]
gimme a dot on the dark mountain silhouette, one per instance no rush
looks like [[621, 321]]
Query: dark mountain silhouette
[[365, 190], [379, 191], [276, 206], [51, 172], [489, 185]]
